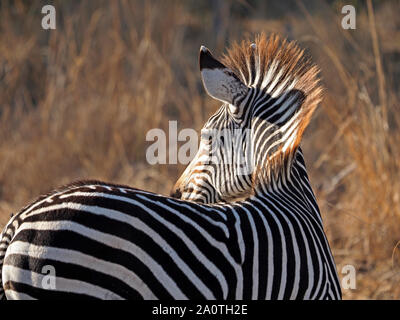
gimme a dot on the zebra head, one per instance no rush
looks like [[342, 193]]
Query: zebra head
[[269, 90]]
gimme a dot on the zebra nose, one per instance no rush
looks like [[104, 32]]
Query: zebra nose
[[176, 194]]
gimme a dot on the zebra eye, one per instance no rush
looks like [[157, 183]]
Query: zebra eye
[[206, 135]]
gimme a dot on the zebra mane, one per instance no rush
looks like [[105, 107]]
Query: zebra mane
[[278, 67]]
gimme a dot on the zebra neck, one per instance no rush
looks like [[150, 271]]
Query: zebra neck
[[275, 148], [292, 185], [277, 172]]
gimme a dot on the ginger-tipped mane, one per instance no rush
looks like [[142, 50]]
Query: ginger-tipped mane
[[278, 67], [274, 66]]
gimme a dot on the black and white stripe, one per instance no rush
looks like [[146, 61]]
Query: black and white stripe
[[114, 242], [282, 91]]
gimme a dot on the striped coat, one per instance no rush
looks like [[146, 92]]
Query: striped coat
[[97, 240], [114, 242]]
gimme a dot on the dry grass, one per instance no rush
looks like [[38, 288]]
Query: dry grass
[[77, 102]]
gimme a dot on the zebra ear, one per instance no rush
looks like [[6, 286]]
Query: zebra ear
[[219, 81]]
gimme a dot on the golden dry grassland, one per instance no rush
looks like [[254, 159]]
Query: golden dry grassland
[[77, 102]]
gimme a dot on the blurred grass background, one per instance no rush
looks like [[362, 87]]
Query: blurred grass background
[[77, 102]]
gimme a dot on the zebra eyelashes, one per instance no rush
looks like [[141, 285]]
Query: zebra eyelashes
[[220, 82]]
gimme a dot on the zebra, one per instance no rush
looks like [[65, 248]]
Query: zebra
[[108, 241], [271, 88]]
